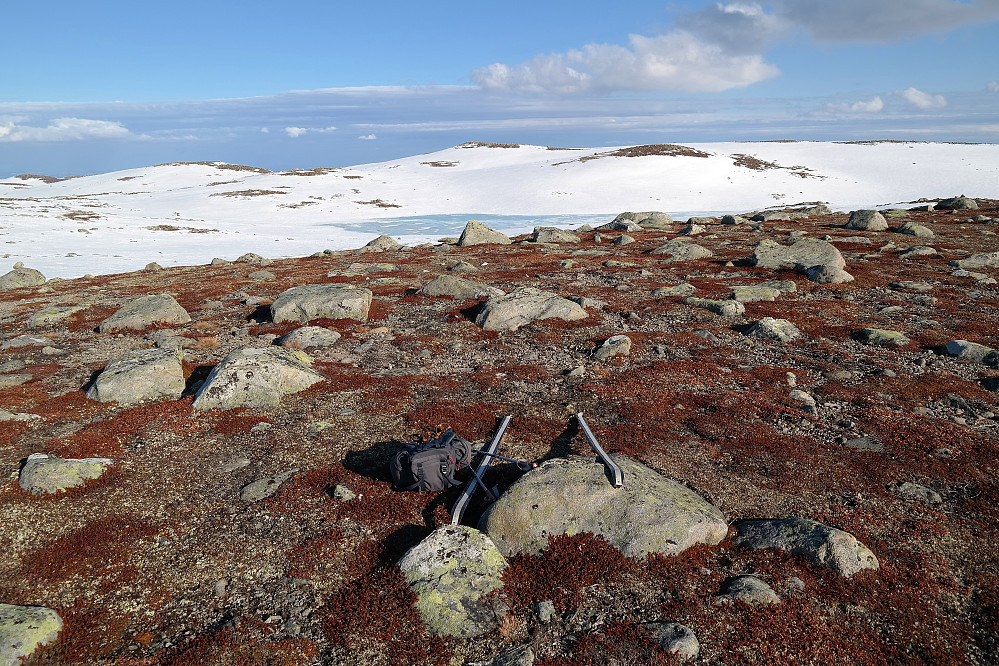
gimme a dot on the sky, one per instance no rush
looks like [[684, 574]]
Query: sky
[[96, 87]]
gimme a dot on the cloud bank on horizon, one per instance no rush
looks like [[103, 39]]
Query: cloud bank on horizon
[[698, 71]]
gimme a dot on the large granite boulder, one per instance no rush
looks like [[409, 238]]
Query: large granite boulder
[[383, 242], [867, 220], [957, 203], [144, 312], [143, 374], [553, 235], [315, 301], [823, 545], [456, 287], [451, 572], [256, 377], [524, 305], [21, 277], [983, 260], [476, 233], [45, 474], [23, 629], [649, 514], [804, 253], [682, 250], [308, 336]]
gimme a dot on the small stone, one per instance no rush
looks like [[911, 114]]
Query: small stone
[[754, 293], [914, 492], [623, 239], [828, 275], [880, 337], [545, 610], [263, 488], [723, 308], [804, 398], [864, 444], [343, 493], [260, 276], [774, 329], [917, 230], [522, 655], [684, 289], [616, 345], [750, 590], [675, 638]]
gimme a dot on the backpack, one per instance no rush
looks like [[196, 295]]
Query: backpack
[[430, 465]]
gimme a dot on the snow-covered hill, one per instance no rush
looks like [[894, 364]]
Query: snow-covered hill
[[188, 213]]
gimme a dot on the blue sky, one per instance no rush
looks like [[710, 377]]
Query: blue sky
[[92, 87]]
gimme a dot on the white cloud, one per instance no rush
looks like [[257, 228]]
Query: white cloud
[[367, 137], [295, 132], [675, 61], [870, 106], [923, 100], [63, 129], [993, 86]]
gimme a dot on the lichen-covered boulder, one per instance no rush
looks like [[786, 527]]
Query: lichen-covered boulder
[[23, 629], [957, 203], [803, 253], [21, 277], [553, 235], [649, 514], [823, 545], [753, 293], [45, 474], [912, 229], [456, 287], [615, 345], [682, 250], [725, 308], [315, 301], [749, 590], [983, 260], [476, 233], [256, 377], [867, 220], [144, 312], [143, 374], [774, 329], [972, 351], [524, 305], [881, 337], [53, 315], [451, 572]]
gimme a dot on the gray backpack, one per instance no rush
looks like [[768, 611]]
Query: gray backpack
[[430, 465]]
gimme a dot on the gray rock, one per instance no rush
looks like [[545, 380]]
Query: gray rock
[[804, 253], [917, 230], [587, 302], [654, 220], [804, 398], [21, 277], [649, 514], [476, 233], [881, 337], [911, 285], [985, 260], [734, 219], [786, 286], [261, 489], [823, 545], [621, 224], [693, 227], [750, 590], [23, 629], [957, 203], [972, 351], [623, 239], [451, 572], [684, 289], [143, 374], [25, 341], [308, 336], [682, 250], [144, 312], [17, 416], [545, 610], [913, 492], [456, 287], [553, 235], [754, 293], [675, 638], [383, 242], [152, 267], [864, 444], [918, 251], [254, 258], [616, 345], [463, 266], [828, 275], [314, 301], [343, 493], [723, 308], [45, 474], [256, 378], [261, 276], [53, 315], [867, 220], [523, 306], [522, 655]]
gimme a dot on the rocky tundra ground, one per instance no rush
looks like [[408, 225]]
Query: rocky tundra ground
[[196, 457]]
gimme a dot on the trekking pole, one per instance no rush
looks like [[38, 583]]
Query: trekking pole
[[522, 465]]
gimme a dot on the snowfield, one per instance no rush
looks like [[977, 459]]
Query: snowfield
[[188, 213]]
